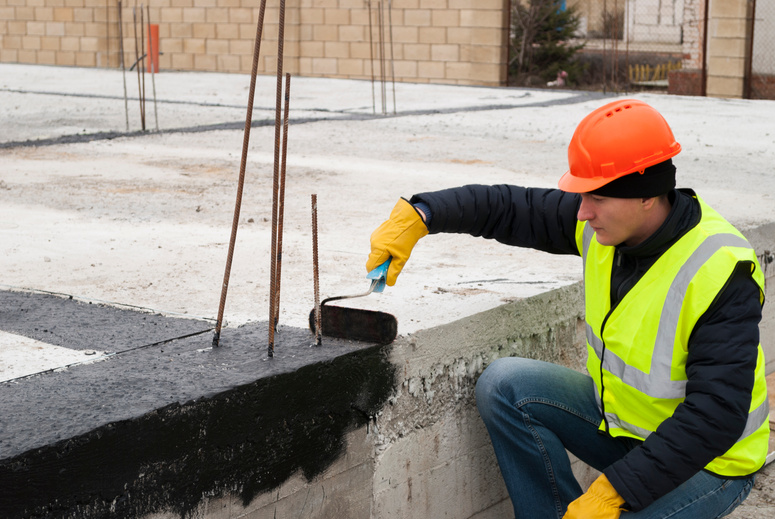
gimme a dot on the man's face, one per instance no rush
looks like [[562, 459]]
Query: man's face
[[615, 220]]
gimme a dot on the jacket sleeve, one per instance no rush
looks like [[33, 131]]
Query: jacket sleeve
[[543, 219], [723, 349]]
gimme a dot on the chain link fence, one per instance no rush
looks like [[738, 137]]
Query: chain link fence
[[630, 44], [621, 45], [761, 83], [675, 46]]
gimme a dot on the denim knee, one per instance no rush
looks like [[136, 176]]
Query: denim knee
[[496, 385], [509, 380]]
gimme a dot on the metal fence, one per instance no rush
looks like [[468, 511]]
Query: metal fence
[[676, 46], [760, 81], [630, 44]]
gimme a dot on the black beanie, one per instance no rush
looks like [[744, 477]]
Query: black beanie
[[655, 180]]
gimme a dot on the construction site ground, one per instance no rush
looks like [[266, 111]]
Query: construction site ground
[[93, 206]]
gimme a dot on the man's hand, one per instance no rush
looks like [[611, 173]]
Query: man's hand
[[396, 238], [601, 501]]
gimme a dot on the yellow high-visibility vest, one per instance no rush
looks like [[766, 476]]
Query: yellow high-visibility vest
[[637, 351]]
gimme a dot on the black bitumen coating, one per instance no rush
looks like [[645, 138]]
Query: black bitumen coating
[[67, 322], [157, 428]]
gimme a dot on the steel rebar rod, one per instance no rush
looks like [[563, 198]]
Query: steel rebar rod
[[153, 67], [392, 64], [137, 59], [281, 201], [143, 55], [371, 55], [381, 21], [315, 269], [123, 66], [241, 181], [107, 31], [276, 177]]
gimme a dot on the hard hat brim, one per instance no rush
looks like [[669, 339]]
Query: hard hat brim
[[573, 184]]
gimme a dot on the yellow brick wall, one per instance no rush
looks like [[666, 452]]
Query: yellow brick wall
[[727, 43], [440, 41]]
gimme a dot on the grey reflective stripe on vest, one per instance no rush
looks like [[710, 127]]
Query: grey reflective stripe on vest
[[586, 240], [657, 383], [756, 418], [614, 421], [650, 384]]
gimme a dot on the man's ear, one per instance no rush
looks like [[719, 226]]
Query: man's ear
[[648, 203]]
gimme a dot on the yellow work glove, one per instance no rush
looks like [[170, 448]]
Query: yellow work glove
[[396, 238], [601, 501]]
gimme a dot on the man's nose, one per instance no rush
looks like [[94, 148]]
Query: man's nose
[[585, 212]]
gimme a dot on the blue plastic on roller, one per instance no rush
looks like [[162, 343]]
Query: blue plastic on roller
[[378, 276]]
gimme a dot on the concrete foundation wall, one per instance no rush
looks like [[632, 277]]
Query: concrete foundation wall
[[763, 240], [442, 41], [427, 453]]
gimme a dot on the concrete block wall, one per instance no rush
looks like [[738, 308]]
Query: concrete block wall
[[726, 48], [55, 32], [654, 21], [440, 41], [727, 37]]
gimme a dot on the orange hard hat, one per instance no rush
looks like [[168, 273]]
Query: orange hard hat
[[619, 138]]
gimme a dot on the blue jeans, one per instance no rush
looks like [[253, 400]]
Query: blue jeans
[[535, 410]]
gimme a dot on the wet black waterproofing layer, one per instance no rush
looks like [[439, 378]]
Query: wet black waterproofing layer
[[169, 419]]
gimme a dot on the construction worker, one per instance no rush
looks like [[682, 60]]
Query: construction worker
[[673, 410]]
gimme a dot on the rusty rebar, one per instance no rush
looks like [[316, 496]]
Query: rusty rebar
[[371, 55], [392, 65], [381, 20], [107, 32], [276, 180], [143, 55], [123, 66], [153, 67], [241, 181], [137, 61], [315, 269], [281, 201]]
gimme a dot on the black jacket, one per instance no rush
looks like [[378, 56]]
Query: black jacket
[[722, 348]]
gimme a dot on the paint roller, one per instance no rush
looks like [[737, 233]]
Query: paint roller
[[356, 324]]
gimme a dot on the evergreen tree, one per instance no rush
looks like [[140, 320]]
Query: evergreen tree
[[541, 41]]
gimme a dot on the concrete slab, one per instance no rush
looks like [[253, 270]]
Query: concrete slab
[[86, 208], [90, 210]]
